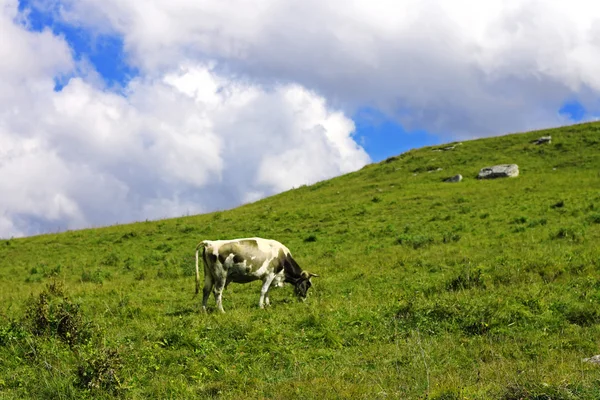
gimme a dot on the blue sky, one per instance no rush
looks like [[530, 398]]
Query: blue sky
[[276, 110], [104, 52]]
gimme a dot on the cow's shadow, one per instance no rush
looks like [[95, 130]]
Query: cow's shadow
[[180, 312]]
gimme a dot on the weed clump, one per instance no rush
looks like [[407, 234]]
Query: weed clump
[[97, 276], [466, 280], [414, 241], [538, 391], [310, 239], [51, 315], [569, 233], [51, 318], [594, 218], [583, 315], [99, 369], [111, 260]]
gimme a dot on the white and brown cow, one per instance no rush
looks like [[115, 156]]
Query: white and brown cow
[[246, 260]]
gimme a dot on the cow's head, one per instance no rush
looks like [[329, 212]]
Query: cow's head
[[303, 284]]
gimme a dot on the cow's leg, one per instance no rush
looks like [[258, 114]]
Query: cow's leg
[[265, 290], [218, 289], [208, 285]]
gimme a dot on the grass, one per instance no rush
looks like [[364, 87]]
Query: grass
[[427, 289]]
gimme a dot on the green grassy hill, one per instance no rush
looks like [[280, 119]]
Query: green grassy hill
[[472, 290]]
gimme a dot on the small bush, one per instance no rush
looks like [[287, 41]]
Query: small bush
[[128, 235], [450, 237], [583, 315], [11, 332], [96, 276], [187, 229], [52, 272], [56, 288], [111, 260], [538, 391], [310, 238], [569, 233], [164, 247], [99, 369], [466, 280], [414, 241], [559, 204], [61, 318], [519, 220], [140, 276], [594, 218], [447, 395], [534, 223]]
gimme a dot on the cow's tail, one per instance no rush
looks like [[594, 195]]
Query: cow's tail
[[200, 245]]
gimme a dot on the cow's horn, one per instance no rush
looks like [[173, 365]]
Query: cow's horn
[[311, 274], [304, 274]]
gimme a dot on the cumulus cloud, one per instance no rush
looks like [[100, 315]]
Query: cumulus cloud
[[458, 67], [184, 141], [240, 99]]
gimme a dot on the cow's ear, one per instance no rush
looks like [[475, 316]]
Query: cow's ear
[[305, 274]]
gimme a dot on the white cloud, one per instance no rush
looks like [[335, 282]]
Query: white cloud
[[458, 67], [187, 141]]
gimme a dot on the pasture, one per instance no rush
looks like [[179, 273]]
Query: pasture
[[427, 289]]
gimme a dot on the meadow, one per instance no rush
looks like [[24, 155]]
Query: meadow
[[427, 289]]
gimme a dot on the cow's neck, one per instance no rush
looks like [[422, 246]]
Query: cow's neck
[[292, 271]]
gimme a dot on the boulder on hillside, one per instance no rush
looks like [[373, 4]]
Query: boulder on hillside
[[455, 178], [499, 171], [593, 360], [543, 139], [447, 148]]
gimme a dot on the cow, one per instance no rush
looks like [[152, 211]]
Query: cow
[[246, 260]]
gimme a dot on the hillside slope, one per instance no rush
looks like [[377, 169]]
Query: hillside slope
[[478, 289]]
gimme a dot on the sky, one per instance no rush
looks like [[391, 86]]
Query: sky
[[117, 111]]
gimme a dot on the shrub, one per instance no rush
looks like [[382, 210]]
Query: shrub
[[414, 241], [569, 233], [466, 280], [57, 317], [99, 369], [583, 315], [594, 218], [111, 260]]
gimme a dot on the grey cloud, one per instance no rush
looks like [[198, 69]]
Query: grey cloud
[[455, 68]]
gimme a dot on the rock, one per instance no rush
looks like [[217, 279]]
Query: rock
[[499, 171], [593, 360], [543, 139], [455, 178], [446, 148]]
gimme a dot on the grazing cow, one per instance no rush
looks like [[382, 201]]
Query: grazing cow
[[246, 260]]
